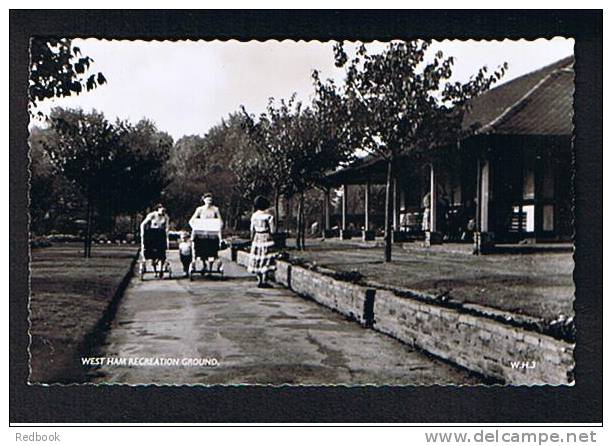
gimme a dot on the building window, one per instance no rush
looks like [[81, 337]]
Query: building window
[[528, 182], [523, 218], [548, 217], [548, 181]]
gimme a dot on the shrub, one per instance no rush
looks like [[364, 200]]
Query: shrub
[[62, 238], [563, 328], [348, 276], [40, 242]]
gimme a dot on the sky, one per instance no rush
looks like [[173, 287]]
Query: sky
[[187, 87]]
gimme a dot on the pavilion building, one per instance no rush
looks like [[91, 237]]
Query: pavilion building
[[509, 182]]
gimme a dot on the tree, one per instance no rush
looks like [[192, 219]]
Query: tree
[[222, 162], [395, 102], [58, 69], [251, 178], [42, 193], [269, 135], [300, 145], [318, 149], [84, 150], [55, 203], [140, 171], [186, 171]]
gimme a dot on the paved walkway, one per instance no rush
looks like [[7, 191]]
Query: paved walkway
[[255, 336]]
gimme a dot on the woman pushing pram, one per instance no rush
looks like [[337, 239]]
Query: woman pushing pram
[[154, 242], [206, 224]]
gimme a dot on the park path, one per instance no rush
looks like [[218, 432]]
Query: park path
[[263, 336]]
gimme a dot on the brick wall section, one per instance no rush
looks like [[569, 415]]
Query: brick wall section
[[476, 343], [242, 258], [351, 300], [282, 274], [226, 254]]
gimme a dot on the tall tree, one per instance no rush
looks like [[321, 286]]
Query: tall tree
[[42, 193], [222, 162], [187, 172], [251, 179], [396, 102], [55, 203], [84, 150], [58, 69], [141, 172], [270, 135], [300, 145]]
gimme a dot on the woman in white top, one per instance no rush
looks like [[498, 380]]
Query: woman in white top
[[154, 236], [206, 243], [261, 259]]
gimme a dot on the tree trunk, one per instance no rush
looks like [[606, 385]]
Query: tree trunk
[[288, 212], [110, 218], [302, 223], [389, 209], [237, 213], [276, 212], [298, 235], [135, 226], [87, 242]]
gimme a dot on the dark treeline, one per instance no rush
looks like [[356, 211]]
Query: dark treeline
[[88, 175]]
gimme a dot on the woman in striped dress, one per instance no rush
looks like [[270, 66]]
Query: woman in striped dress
[[262, 256]]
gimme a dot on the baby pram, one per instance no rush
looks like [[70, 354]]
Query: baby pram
[[206, 245], [153, 248]]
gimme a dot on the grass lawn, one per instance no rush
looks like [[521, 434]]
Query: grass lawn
[[68, 297], [538, 285]]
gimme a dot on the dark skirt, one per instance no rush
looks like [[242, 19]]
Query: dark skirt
[[206, 247], [154, 242]]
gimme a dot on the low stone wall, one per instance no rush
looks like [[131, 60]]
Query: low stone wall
[[282, 274], [478, 343], [242, 257], [491, 348], [354, 301]]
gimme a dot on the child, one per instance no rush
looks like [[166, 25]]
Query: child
[[185, 251], [261, 259]]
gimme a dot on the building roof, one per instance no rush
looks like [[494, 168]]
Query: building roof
[[538, 103]]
